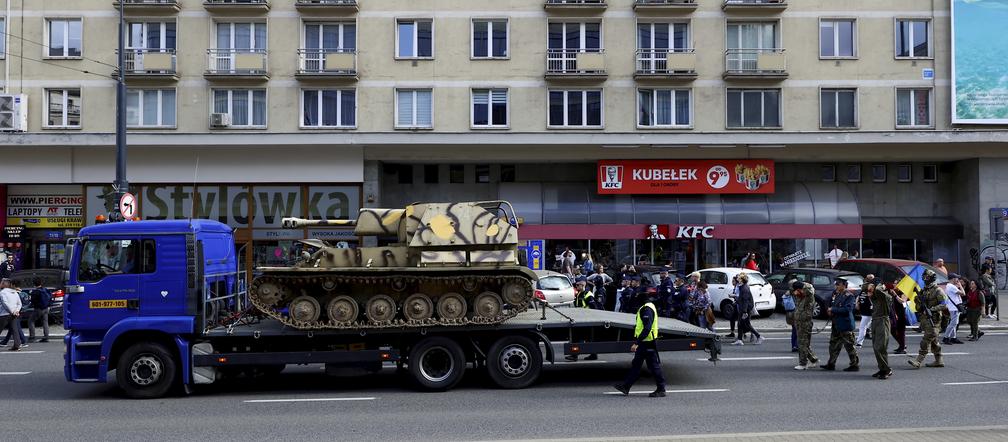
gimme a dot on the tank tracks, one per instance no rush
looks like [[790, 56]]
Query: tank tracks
[[326, 286]]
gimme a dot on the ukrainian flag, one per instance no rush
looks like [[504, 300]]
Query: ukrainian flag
[[911, 284]]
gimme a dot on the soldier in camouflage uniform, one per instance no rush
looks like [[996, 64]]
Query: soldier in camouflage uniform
[[930, 307], [842, 335], [804, 296], [882, 303]]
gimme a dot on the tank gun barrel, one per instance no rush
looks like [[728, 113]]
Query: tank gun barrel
[[297, 223]]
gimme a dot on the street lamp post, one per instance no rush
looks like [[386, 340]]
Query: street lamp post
[[121, 185]]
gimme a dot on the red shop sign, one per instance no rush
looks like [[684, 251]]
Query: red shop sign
[[685, 176]]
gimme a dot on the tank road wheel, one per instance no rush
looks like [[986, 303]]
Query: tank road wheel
[[146, 370], [514, 362], [451, 306], [380, 308], [515, 293], [418, 307], [304, 309], [342, 310], [270, 293], [437, 363], [488, 305]]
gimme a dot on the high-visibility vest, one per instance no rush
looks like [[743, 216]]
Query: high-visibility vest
[[582, 299], [654, 324]]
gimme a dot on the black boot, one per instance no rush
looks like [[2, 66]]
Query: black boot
[[625, 389], [657, 393]]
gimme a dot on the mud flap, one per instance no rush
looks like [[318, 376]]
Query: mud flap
[[545, 340], [202, 375]]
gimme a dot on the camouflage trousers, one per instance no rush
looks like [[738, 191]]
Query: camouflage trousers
[[930, 339], [880, 342], [804, 332], [845, 340]]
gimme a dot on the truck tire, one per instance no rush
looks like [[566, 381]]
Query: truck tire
[[146, 370], [514, 362], [728, 310], [437, 363]]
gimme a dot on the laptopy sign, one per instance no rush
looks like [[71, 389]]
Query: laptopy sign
[[685, 177]]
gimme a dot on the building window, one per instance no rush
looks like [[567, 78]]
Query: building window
[[754, 108], [930, 173], [336, 37], [904, 173], [828, 173], [913, 38], [430, 174], [3, 37], [878, 173], [490, 38], [913, 108], [507, 173], [456, 173], [574, 36], [414, 109], [838, 108], [405, 174], [490, 108], [415, 39], [575, 108], [853, 173], [328, 108], [63, 108], [246, 107], [151, 35], [837, 38], [663, 108], [243, 37], [150, 108], [482, 173], [64, 38]]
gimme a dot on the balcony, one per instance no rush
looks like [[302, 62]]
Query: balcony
[[326, 6], [243, 6], [575, 64], [149, 6], [576, 5], [767, 64], [249, 64], [754, 5], [664, 5], [316, 64], [150, 64], [665, 64]]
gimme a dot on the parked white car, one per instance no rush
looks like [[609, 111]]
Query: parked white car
[[554, 288], [719, 287]]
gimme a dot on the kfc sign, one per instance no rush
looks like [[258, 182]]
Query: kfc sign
[[695, 232], [685, 177]]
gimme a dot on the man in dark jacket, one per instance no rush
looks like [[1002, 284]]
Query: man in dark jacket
[[644, 348], [842, 335], [41, 299], [7, 267], [745, 306], [666, 303]]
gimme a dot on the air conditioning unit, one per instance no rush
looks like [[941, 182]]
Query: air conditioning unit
[[14, 113], [220, 120]]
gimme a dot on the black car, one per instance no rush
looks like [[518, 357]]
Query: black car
[[821, 280], [52, 279]]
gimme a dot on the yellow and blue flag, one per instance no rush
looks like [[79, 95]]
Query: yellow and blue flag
[[911, 284]]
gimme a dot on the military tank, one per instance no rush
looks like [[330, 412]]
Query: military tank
[[452, 264]]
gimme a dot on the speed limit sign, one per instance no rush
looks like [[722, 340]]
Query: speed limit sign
[[127, 206]]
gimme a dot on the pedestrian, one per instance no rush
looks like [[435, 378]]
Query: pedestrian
[[930, 304], [953, 293], [804, 297], [834, 255], [939, 265], [7, 267], [745, 308], [666, 302], [699, 303], [568, 258], [644, 349], [733, 314], [974, 308], [679, 297], [41, 299], [751, 263], [881, 323], [620, 293], [10, 310], [899, 322], [789, 281], [863, 305], [990, 290], [588, 265], [842, 334]]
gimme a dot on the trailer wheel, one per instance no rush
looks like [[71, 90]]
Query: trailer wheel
[[146, 370], [437, 363], [514, 362]]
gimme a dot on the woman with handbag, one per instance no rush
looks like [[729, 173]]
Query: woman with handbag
[[700, 305], [746, 307]]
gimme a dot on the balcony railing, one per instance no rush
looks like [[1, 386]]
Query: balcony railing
[[767, 63], [666, 63], [575, 63], [768, 5], [261, 5], [326, 5], [152, 62], [149, 5], [236, 62], [575, 4], [327, 62], [665, 4]]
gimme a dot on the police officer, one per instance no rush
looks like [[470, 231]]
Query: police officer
[[930, 306], [584, 299], [665, 291], [842, 334], [804, 295], [882, 304], [644, 349]]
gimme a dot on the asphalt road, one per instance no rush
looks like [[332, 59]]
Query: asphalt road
[[754, 389]]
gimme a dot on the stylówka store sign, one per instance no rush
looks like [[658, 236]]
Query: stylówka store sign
[[685, 177]]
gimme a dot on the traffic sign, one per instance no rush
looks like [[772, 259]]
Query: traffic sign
[[127, 206]]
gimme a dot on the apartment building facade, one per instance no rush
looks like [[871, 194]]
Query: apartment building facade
[[317, 107]]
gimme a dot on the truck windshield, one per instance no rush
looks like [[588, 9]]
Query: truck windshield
[[100, 258]]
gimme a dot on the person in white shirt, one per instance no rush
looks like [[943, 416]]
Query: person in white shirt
[[954, 293], [834, 255], [10, 309]]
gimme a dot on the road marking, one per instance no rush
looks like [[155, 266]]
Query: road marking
[[23, 352], [581, 362], [754, 358], [713, 390], [13, 373], [323, 399], [976, 383]]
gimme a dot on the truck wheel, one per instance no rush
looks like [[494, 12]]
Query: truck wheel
[[728, 309], [514, 362], [437, 363], [146, 370]]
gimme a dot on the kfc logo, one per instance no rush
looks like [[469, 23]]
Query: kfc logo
[[695, 232], [612, 177]]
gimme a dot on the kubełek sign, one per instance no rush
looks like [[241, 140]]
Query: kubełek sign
[[685, 177], [45, 211]]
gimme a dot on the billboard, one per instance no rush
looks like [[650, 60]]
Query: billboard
[[979, 54], [663, 177]]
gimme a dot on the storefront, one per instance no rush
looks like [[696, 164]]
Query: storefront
[[38, 220]]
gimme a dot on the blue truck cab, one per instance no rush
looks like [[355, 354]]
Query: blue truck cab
[[138, 296]]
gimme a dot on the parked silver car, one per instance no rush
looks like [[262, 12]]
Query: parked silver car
[[554, 288]]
